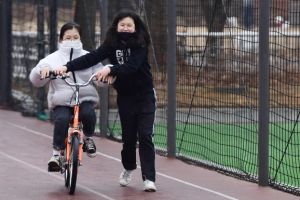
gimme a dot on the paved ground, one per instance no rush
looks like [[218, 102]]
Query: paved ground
[[25, 148]]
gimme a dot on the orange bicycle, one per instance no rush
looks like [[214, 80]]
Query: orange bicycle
[[71, 156]]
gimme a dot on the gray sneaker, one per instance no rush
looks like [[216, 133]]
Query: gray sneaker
[[89, 147], [54, 164], [125, 177]]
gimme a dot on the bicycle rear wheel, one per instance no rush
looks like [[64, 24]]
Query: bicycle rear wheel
[[73, 165]]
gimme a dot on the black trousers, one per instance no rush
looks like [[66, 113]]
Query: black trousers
[[63, 115], [137, 115]]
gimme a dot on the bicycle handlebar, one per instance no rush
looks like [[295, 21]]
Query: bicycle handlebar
[[52, 76]]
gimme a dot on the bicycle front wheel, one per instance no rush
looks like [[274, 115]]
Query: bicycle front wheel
[[66, 169], [73, 165]]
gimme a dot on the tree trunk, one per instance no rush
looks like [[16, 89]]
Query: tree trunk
[[85, 16], [215, 18], [156, 14], [115, 6]]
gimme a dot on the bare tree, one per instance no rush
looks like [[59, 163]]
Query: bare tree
[[156, 14], [115, 6], [215, 18], [85, 15]]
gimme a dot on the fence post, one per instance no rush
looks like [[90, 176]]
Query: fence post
[[263, 94], [5, 55], [171, 106], [41, 55], [103, 90], [53, 35]]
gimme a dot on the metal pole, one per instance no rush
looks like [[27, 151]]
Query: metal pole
[[104, 90], [171, 106], [41, 55], [53, 35], [5, 55], [53, 26], [263, 94]]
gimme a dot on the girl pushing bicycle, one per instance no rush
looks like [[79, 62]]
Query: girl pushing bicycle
[[126, 46], [61, 98]]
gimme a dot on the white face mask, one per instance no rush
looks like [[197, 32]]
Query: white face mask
[[71, 43]]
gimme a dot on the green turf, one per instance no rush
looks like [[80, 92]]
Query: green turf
[[236, 146]]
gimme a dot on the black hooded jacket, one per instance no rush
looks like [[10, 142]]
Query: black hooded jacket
[[130, 66]]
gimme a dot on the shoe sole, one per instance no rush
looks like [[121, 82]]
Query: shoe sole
[[53, 167], [91, 155], [123, 185], [150, 190]]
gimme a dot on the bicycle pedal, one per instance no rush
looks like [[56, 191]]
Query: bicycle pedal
[[83, 148], [62, 171]]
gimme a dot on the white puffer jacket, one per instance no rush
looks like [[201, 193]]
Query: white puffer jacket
[[60, 93]]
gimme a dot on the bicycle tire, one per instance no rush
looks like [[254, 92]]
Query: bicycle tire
[[66, 168], [73, 164]]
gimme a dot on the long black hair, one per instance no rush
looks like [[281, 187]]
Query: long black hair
[[141, 38], [69, 26]]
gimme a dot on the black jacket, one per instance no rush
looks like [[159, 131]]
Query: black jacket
[[131, 67]]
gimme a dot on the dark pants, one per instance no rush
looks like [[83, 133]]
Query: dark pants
[[137, 114], [63, 115]]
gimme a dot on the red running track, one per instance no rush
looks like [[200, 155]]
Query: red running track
[[26, 147]]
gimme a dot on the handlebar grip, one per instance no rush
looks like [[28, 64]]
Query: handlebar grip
[[53, 76]]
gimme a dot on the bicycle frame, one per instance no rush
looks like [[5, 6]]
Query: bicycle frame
[[75, 126], [75, 129]]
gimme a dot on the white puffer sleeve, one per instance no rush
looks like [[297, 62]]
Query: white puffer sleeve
[[35, 74]]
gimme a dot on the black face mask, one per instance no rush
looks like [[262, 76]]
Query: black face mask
[[125, 36]]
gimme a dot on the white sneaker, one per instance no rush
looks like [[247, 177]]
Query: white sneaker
[[53, 164], [125, 177], [149, 186]]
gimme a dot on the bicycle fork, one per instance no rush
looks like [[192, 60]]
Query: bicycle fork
[[74, 133]]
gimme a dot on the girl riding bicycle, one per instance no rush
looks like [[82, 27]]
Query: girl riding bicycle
[[61, 96]]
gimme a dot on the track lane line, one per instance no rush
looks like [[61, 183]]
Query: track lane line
[[116, 159], [56, 176]]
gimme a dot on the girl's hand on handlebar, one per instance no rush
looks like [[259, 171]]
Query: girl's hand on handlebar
[[45, 72], [102, 75], [60, 70]]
